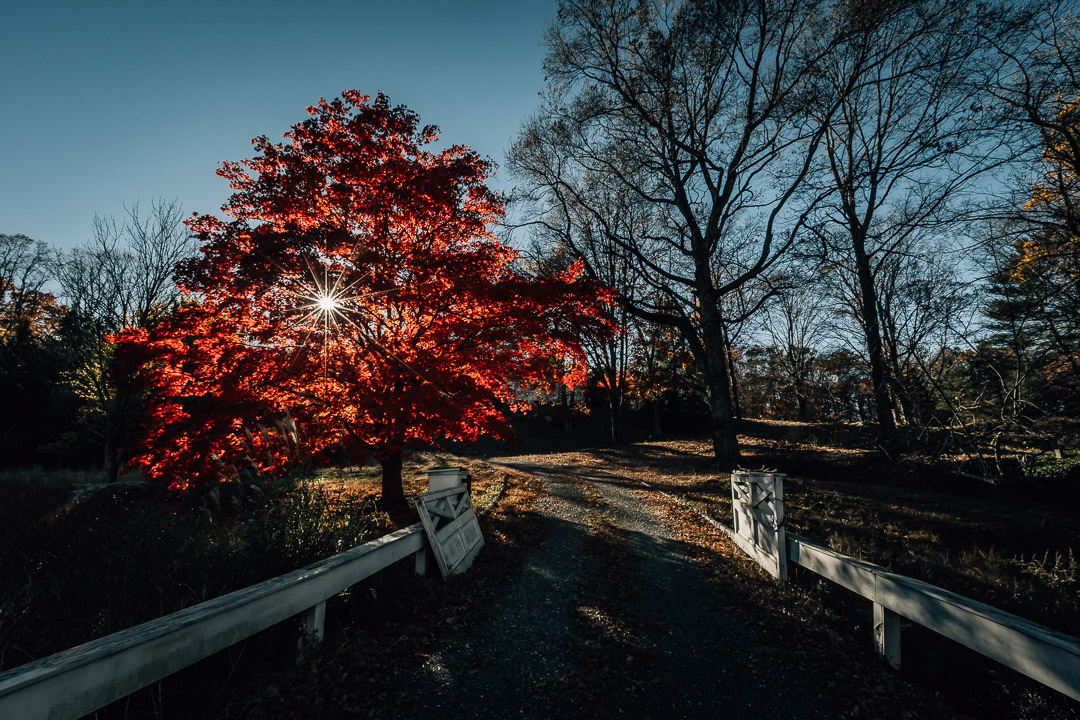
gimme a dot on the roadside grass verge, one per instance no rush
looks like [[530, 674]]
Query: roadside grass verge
[[378, 633], [83, 560]]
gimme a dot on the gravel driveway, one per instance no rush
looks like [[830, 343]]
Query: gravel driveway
[[531, 657]]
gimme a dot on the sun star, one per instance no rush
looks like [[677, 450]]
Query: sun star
[[327, 303]]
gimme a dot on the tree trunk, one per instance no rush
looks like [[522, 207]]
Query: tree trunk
[[393, 492], [565, 416], [111, 455], [868, 308], [715, 371], [904, 408], [111, 467], [736, 406], [800, 402], [615, 412], [908, 414], [658, 428], [722, 424], [615, 399]]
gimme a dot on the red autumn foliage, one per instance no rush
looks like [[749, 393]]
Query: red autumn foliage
[[356, 289]]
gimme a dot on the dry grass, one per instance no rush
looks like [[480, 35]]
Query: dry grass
[[1002, 546], [998, 546], [362, 484]]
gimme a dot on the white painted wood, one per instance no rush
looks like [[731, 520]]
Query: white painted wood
[[455, 525], [78, 681], [1039, 652], [312, 625], [887, 635], [443, 510], [1043, 654], [452, 527], [422, 561], [445, 478], [854, 574], [757, 501]]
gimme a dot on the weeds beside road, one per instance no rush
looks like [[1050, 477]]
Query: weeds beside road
[[81, 561]]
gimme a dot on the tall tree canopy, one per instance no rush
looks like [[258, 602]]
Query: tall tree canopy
[[353, 298], [902, 154], [691, 118], [35, 410]]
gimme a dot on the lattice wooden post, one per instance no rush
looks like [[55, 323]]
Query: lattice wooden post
[[757, 502], [438, 479], [451, 527], [887, 635]]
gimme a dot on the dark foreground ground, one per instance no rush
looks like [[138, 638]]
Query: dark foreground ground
[[681, 651], [610, 612], [595, 596]]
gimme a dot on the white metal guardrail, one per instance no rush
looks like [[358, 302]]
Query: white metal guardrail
[[78, 681]]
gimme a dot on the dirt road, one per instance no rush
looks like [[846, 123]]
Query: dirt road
[[609, 618]]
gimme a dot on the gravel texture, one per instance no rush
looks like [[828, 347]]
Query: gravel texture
[[690, 657]]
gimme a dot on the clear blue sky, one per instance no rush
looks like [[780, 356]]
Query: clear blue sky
[[108, 103]]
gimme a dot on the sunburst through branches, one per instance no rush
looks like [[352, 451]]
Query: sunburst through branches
[[325, 305], [326, 301]]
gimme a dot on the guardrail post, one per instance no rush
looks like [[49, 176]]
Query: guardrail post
[[887, 635], [312, 624], [423, 559]]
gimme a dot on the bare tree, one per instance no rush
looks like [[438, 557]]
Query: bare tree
[[24, 270], [1037, 247], [1037, 85], [698, 113], [123, 277], [610, 356], [796, 327], [580, 235], [23, 262], [910, 137]]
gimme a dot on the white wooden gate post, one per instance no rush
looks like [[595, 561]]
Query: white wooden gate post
[[443, 478], [757, 503], [452, 528], [438, 479]]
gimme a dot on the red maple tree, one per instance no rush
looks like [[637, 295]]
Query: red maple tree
[[354, 298]]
